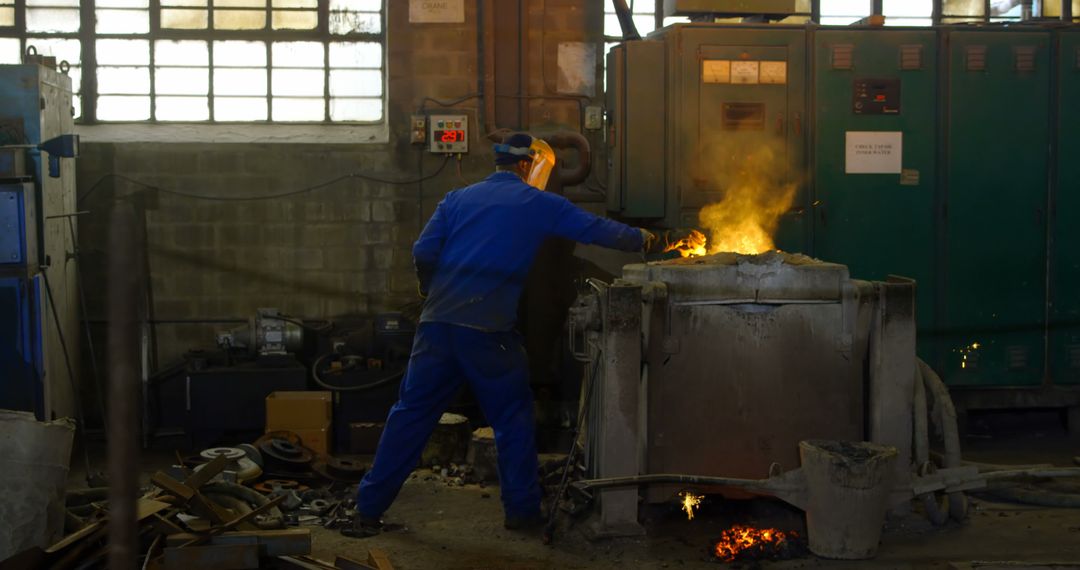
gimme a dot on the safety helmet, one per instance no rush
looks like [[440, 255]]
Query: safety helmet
[[522, 146]]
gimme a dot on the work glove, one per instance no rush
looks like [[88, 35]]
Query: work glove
[[648, 239]]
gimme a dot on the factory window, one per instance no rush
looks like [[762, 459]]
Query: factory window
[[844, 12], [274, 61], [908, 12]]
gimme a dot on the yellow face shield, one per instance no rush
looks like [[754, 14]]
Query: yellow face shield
[[543, 162]]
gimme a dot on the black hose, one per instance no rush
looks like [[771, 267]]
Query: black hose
[[371, 385], [1036, 497]]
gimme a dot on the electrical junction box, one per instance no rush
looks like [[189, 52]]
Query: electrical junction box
[[418, 132], [448, 134]]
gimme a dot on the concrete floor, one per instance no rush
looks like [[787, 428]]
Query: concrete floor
[[460, 528]]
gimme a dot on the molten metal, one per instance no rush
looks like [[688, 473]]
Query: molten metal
[[692, 245], [690, 501], [741, 540]]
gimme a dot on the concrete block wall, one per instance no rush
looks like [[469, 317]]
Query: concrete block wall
[[340, 250]]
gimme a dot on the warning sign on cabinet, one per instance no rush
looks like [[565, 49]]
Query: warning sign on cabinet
[[873, 152], [436, 11]]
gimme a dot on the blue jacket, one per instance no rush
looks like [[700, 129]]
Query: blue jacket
[[476, 251]]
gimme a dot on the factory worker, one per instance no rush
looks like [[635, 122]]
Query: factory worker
[[472, 260]]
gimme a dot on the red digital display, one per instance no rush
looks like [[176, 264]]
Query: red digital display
[[450, 136]]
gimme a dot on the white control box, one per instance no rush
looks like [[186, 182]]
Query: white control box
[[448, 134]]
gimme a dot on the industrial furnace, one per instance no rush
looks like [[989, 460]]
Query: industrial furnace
[[749, 353]]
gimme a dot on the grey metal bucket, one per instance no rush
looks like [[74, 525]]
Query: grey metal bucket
[[34, 459], [848, 488]]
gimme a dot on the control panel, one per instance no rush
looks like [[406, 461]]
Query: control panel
[[877, 97], [448, 134]]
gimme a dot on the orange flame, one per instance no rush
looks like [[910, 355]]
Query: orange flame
[[741, 538], [755, 197], [692, 245]]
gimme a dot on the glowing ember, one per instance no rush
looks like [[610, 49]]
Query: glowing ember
[[755, 197], [742, 541], [692, 245], [967, 351], [690, 501]]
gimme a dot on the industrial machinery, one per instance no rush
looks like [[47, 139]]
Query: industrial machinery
[[267, 333], [730, 97], [212, 394], [937, 153], [754, 353], [1064, 323], [39, 332]]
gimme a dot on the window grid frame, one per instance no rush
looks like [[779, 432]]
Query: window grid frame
[[87, 36], [937, 17]]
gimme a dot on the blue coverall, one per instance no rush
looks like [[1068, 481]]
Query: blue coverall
[[472, 260]]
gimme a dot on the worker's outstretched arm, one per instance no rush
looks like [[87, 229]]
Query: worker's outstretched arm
[[572, 222], [429, 246]]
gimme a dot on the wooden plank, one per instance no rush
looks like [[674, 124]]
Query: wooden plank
[[76, 536], [76, 552], [303, 563], [238, 521], [146, 508], [163, 481], [377, 558], [164, 525], [346, 563], [207, 472], [287, 542], [226, 557]]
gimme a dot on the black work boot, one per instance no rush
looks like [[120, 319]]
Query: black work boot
[[363, 527]]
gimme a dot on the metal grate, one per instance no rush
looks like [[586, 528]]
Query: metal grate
[[843, 56], [1024, 59], [911, 57], [1017, 357], [975, 58]]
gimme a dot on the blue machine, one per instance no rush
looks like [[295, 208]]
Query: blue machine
[[37, 190]]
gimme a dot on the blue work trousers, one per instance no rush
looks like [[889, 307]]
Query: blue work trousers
[[444, 356]]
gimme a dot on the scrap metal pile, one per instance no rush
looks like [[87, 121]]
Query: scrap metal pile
[[227, 507]]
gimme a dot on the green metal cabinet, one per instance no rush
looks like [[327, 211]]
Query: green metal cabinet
[[878, 224], [1064, 325], [996, 154], [724, 123], [690, 103]]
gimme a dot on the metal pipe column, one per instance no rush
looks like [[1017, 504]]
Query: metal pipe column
[[123, 387]]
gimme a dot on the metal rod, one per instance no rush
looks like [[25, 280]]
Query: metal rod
[[80, 414], [94, 370], [72, 215], [665, 478], [123, 424]]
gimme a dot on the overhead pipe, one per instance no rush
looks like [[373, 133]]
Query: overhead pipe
[[578, 142], [626, 21]]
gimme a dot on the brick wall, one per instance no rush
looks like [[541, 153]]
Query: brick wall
[[340, 250]]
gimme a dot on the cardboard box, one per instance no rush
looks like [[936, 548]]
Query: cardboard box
[[318, 440], [364, 437], [294, 411]]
